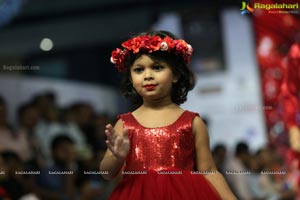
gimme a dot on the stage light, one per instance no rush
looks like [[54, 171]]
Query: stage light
[[46, 44]]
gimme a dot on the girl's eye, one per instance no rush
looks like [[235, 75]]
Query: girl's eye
[[138, 69], [157, 67]]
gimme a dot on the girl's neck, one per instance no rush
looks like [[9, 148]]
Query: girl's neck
[[158, 104]]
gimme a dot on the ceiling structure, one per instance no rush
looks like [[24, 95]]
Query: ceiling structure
[[82, 22]]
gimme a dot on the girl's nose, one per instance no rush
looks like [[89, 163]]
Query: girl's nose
[[148, 75], [148, 78]]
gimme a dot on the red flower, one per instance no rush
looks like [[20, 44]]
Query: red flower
[[181, 46], [170, 42], [118, 57], [115, 55], [154, 43]]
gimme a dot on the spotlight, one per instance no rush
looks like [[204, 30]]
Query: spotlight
[[46, 44]]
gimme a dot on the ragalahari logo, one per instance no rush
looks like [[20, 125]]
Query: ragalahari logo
[[279, 8], [246, 8]]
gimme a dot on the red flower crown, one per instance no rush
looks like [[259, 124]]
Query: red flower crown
[[148, 44]]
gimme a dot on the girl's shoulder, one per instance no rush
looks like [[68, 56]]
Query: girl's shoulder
[[124, 116], [192, 113]]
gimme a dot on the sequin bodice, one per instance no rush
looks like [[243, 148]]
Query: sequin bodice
[[167, 147]]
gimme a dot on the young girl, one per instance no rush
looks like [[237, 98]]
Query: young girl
[[158, 146]]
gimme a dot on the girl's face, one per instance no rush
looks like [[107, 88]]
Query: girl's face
[[152, 79]]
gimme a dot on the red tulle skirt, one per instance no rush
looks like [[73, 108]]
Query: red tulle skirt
[[155, 186]]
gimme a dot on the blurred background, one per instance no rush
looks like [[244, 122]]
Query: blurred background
[[58, 88]]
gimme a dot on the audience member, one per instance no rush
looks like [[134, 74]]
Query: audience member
[[219, 155], [237, 172], [9, 140], [59, 177], [14, 181], [51, 125]]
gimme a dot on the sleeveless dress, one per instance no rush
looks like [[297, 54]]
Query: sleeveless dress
[[160, 163]]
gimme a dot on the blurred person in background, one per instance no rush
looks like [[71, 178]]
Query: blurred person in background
[[82, 115], [253, 179], [271, 181], [85, 182], [11, 140], [58, 179], [236, 172], [15, 184], [43, 102], [92, 185], [219, 154], [53, 123], [48, 125], [28, 117], [71, 119]]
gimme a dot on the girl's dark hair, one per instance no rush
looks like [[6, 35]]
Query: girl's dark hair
[[180, 89]]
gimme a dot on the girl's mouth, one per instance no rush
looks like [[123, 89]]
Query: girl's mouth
[[149, 87]]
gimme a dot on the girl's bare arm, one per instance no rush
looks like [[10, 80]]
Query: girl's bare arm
[[205, 162]]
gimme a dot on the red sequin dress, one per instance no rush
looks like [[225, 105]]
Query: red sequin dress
[[160, 163]]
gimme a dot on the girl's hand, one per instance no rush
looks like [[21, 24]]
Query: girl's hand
[[118, 144]]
